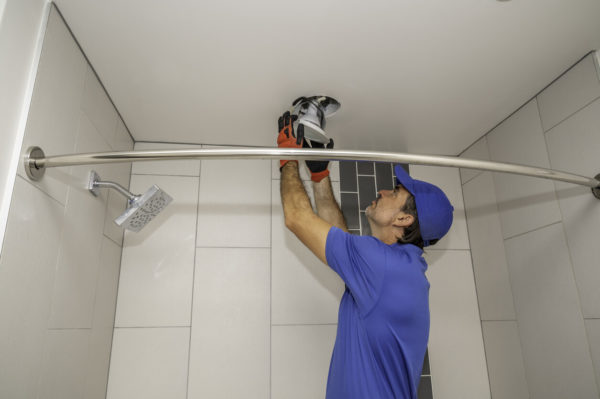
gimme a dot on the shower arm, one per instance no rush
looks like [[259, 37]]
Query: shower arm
[[36, 161], [94, 184]]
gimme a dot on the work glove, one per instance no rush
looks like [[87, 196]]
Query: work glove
[[287, 138], [318, 169]]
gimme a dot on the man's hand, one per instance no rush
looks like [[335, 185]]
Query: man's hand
[[318, 169], [286, 138]]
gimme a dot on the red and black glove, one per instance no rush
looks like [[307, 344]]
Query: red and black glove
[[318, 169], [287, 138]]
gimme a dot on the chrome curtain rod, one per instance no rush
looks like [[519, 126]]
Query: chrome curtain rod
[[36, 161]]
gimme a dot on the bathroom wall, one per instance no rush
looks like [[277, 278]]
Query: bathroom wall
[[534, 244], [21, 31], [61, 254], [218, 299]]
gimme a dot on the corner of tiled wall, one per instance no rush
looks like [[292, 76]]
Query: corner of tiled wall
[[60, 262], [532, 243]]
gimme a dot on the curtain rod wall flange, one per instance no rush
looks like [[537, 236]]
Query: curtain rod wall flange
[[36, 162]]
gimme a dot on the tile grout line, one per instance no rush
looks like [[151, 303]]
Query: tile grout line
[[187, 388]]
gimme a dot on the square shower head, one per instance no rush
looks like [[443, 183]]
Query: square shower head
[[143, 209]]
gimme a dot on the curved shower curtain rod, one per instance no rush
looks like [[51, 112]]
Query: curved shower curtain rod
[[36, 161]]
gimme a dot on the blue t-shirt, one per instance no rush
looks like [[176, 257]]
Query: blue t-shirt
[[383, 322]]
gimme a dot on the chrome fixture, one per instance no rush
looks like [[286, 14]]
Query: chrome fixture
[[141, 209], [312, 113], [36, 162]]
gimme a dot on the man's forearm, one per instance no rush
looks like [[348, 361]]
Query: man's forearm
[[293, 194], [327, 207]]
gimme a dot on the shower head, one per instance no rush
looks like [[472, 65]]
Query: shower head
[[141, 209]]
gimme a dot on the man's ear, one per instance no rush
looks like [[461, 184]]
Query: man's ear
[[403, 220]]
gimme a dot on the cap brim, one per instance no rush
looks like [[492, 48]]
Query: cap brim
[[404, 178]]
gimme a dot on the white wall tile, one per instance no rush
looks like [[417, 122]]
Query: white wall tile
[[525, 203], [555, 349], [504, 360], [230, 343], [487, 250], [593, 332], [150, 363], [334, 170], [571, 92], [574, 146], [64, 364], [235, 204], [447, 179], [103, 322], [478, 150], [75, 283], [98, 362], [27, 269], [106, 285], [305, 290], [186, 167], [155, 286], [300, 360], [456, 352], [54, 111], [123, 140], [98, 108]]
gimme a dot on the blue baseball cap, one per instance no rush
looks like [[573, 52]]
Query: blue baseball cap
[[434, 210]]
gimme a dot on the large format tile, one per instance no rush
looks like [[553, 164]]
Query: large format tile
[[103, 323], [75, 283], [150, 363], [574, 146], [504, 360], [230, 340], [593, 332], [123, 140], [234, 207], [448, 180], [456, 352], [300, 357], [478, 150], [487, 250], [55, 104], [155, 286], [555, 348], [571, 92], [64, 364], [187, 167], [98, 362], [27, 269], [525, 203], [304, 290], [98, 108]]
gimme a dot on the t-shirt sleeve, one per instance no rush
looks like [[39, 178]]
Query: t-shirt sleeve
[[359, 261]]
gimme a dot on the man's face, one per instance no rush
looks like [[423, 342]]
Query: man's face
[[386, 207]]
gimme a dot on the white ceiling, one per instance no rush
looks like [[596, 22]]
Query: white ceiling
[[422, 76]]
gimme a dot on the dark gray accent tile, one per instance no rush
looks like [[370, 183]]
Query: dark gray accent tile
[[426, 370], [365, 228], [350, 210], [365, 168], [384, 176], [348, 176], [425, 391], [366, 191]]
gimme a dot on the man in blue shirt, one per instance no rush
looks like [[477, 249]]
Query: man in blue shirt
[[383, 322]]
